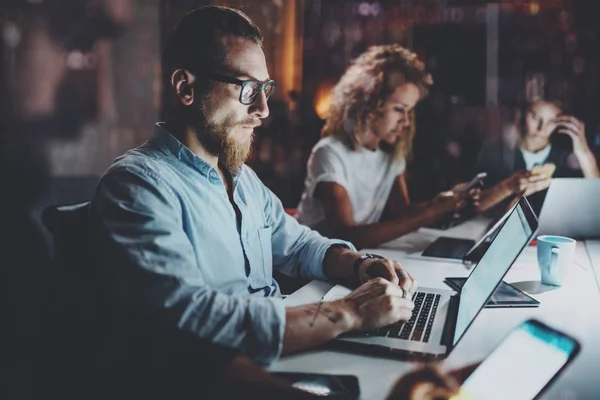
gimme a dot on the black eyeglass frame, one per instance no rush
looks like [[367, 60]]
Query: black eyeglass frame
[[243, 83]]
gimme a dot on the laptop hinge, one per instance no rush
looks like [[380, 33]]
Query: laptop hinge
[[450, 323]]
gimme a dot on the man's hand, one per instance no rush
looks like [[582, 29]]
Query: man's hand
[[387, 269], [430, 383], [377, 303]]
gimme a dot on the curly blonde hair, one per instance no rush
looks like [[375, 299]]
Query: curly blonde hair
[[364, 88]]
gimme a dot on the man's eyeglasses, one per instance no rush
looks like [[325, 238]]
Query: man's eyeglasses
[[251, 88]]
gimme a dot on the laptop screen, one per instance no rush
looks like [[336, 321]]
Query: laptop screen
[[503, 251]]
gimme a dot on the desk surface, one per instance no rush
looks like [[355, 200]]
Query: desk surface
[[574, 308]]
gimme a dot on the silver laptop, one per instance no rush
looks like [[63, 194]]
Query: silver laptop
[[467, 251], [572, 208], [441, 317]]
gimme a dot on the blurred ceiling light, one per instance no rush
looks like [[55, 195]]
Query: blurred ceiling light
[[323, 100], [534, 8]]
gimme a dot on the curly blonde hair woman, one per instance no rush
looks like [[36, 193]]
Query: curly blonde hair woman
[[355, 186], [363, 90]]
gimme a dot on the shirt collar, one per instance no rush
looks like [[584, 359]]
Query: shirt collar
[[170, 145]]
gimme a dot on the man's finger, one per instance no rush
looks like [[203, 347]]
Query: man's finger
[[391, 272], [413, 286], [405, 282]]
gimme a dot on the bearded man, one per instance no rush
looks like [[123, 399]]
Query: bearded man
[[189, 236]]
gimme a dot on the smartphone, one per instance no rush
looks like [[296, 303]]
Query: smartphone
[[477, 180], [547, 169], [323, 384], [522, 366]]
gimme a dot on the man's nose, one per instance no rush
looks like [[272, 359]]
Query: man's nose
[[260, 108]]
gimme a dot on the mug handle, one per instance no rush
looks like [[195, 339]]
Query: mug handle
[[555, 250]]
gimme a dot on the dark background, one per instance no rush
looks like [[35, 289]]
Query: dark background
[[84, 76]]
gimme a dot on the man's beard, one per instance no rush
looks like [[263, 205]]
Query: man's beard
[[215, 139]]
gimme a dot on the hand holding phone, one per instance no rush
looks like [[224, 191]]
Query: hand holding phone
[[546, 169], [476, 181], [522, 365]]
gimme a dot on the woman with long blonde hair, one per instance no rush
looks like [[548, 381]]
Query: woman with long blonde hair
[[355, 187]]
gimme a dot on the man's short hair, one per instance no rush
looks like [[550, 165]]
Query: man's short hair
[[195, 46]]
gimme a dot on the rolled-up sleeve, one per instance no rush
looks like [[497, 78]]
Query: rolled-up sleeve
[[325, 165], [138, 236], [297, 250]]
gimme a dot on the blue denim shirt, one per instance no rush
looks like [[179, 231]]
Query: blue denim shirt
[[163, 225]]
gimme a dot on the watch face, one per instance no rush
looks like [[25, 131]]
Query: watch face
[[371, 255]]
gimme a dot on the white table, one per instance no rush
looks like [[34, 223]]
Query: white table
[[574, 308]]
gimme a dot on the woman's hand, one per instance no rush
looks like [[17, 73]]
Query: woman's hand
[[569, 125], [457, 199], [573, 127], [524, 183]]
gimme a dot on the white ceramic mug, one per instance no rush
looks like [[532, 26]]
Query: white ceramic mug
[[554, 254]]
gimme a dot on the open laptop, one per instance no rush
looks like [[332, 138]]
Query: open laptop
[[441, 317], [572, 208], [466, 250]]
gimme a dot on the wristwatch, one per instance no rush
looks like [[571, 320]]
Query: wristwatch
[[360, 260]]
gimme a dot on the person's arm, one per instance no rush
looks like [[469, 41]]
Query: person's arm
[[299, 251], [340, 217], [519, 183], [374, 304], [139, 241], [569, 125], [496, 194]]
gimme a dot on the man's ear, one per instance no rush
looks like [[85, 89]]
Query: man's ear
[[183, 83]]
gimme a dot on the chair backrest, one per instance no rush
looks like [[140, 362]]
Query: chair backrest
[[78, 309], [68, 225]]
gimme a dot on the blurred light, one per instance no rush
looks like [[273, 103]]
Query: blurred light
[[453, 148], [375, 9], [11, 35], [364, 9], [75, 60], [323, 100], [534, 8], [314, 388], [578, 65]]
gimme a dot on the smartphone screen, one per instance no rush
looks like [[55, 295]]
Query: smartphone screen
[[322, 384], [477, 180], [522, 365]]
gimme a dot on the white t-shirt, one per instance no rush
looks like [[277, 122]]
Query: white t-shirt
[[366, 175], [537, 158]]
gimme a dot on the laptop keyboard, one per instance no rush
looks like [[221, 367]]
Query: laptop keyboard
[[418, 327]]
